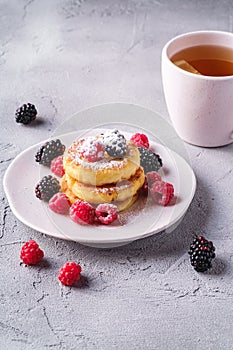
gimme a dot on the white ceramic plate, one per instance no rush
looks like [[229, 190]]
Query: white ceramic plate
[[141, 220]]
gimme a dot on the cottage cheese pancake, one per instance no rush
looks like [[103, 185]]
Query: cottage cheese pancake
[[107, 170], [121, 205], [107, 193]]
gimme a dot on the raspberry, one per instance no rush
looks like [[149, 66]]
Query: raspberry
[[49, 151], [106, 213], [56, 166], [59, 203], [31, 253], [47, 187], [69, 273], [201, 254], [140, 140], [162, 192], [149, 160], [25, 114], [152, 176], [92, 149], [115, 144], [144, 188], [82, 212]]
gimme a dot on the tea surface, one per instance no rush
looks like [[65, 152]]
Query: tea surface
[[209, 60]]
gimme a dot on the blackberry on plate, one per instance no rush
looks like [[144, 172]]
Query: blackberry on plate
[[201, 254], [47, 187], [49, 151], [149, 160], [115, 144], [26, 113]]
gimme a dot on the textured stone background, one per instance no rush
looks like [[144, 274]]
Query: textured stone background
[[65, 56]]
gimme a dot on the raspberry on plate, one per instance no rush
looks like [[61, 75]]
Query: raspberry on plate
[[69, 273], [82, 212], [59, 203], [152, 176], [140, 140], [56, 166], [106, 213], [162, 192], [31, 253], [92, 149]]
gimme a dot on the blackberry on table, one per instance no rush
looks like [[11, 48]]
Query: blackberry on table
[[115, 144], [26, 113], [201, 254], [47, 187], [49, 151], [149, 160]]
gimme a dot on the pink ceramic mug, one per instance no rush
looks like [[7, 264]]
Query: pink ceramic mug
[[200, 106]]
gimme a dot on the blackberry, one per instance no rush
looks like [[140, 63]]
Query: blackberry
[[26, 113], [201, 254], [47, 187], [115, 144], [49, 151], [149, 160]]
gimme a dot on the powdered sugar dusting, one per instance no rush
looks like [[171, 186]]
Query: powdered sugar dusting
[[86, 148]]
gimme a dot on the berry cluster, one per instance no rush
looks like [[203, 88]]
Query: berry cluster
[[84, 213], [60, 204], [106, 213], [31, 254], [56, 166], [160, 191], [69, 273], [26, 113], [201, 254], [115, 144], [140, 140], [92, 149], [149, 160], [49, 151], [47, 187]]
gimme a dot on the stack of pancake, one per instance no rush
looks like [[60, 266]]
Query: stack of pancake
[[108, 180]]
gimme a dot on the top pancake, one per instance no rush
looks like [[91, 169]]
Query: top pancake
[[106, 171]]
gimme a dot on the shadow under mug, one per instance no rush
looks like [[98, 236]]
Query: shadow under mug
[[200, 107]]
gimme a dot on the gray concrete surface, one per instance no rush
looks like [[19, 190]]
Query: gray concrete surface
[[65, 56]]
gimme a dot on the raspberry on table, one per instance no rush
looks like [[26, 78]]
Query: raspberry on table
[[49, 151], [56, 166], [115, 144], [92, 149], [162, 192], [31, 253], [149, 160], [59, 203], [140, 140], [152, 176], [69, 273], [47, 187], [106, 213], [26, 113], [201, 254], [82, 212]]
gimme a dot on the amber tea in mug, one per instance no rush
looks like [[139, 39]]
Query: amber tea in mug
[[209, 60], [197, 73]]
